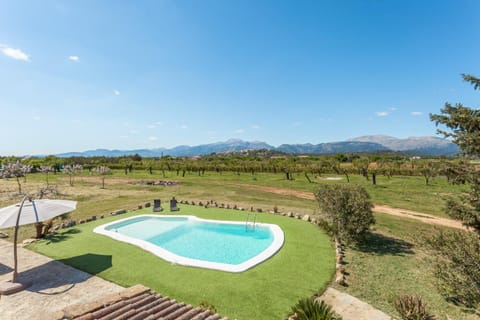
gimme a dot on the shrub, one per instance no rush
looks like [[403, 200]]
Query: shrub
[[310, 309], [412, 308], [457, 266], [345, 211]]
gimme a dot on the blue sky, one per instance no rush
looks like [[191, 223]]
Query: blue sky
[[78, 75]]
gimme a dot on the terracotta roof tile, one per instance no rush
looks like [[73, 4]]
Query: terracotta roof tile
[[137, 303]]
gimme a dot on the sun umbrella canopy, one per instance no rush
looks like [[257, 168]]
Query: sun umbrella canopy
[[35, 211]]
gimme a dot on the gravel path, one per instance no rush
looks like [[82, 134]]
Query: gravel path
[[402, 213]]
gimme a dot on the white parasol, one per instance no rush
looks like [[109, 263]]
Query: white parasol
[[26, 212]]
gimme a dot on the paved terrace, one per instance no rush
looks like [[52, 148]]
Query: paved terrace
[[54, 285]]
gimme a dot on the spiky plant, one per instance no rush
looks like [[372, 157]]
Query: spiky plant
[[310, 309], [412, 307]]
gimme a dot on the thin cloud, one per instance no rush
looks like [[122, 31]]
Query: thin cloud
[[183, 126], [152, 138], [13, 53], [159, 123], [238, 131], [381, 113], [297, 124], [123, 137], [151, 126], [36, 118], [133, 131], [74, 58], [416, 113], [393, 109], [255, 126], [116, 92]]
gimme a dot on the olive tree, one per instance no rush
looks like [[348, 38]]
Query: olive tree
[[345, 210], [15, 170], [71, 170], [46, 170], [102, 171]]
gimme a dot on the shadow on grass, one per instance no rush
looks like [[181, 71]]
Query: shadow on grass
[[379, 244], [53, 277], [89, 262], [61, 236]]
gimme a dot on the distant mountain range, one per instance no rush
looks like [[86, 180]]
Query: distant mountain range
[[421, 146]]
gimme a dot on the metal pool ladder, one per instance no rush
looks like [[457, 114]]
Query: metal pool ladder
[[252, 224]]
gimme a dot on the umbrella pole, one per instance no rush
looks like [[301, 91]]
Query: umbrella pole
[[15, 240]]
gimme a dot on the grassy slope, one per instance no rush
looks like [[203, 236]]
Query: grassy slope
[[304, 265], [395, 262]]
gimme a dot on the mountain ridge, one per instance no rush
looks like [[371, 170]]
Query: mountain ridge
[[428, 145]]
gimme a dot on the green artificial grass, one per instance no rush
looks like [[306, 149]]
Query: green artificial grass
[[303, 266]]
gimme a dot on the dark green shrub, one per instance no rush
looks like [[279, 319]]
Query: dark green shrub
[[345, 211], [309, 309], [412, 308]]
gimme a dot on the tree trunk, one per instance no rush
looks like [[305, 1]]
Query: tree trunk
[[308, 178], [39, 230], [374, 178], [19, 186]]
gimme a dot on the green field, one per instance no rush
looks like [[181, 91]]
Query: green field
[[376, 275], [302, 267]]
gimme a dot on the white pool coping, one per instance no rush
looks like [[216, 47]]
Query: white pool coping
[[278, 239]]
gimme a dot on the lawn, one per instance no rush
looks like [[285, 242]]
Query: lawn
[[303, 266], [394, 261]]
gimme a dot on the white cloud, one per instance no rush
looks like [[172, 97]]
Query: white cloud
[[238, 131], [416, 113], [14, 53], [74, 58], [116, 92], [381, 113], [183, 126], [152, 138]]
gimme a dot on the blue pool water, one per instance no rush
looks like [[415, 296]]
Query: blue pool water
[[199, 239]]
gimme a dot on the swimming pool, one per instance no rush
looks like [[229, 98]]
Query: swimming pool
[[191, 241]]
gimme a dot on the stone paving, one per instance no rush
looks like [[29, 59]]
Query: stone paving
[[54, 285], [351, 308]]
